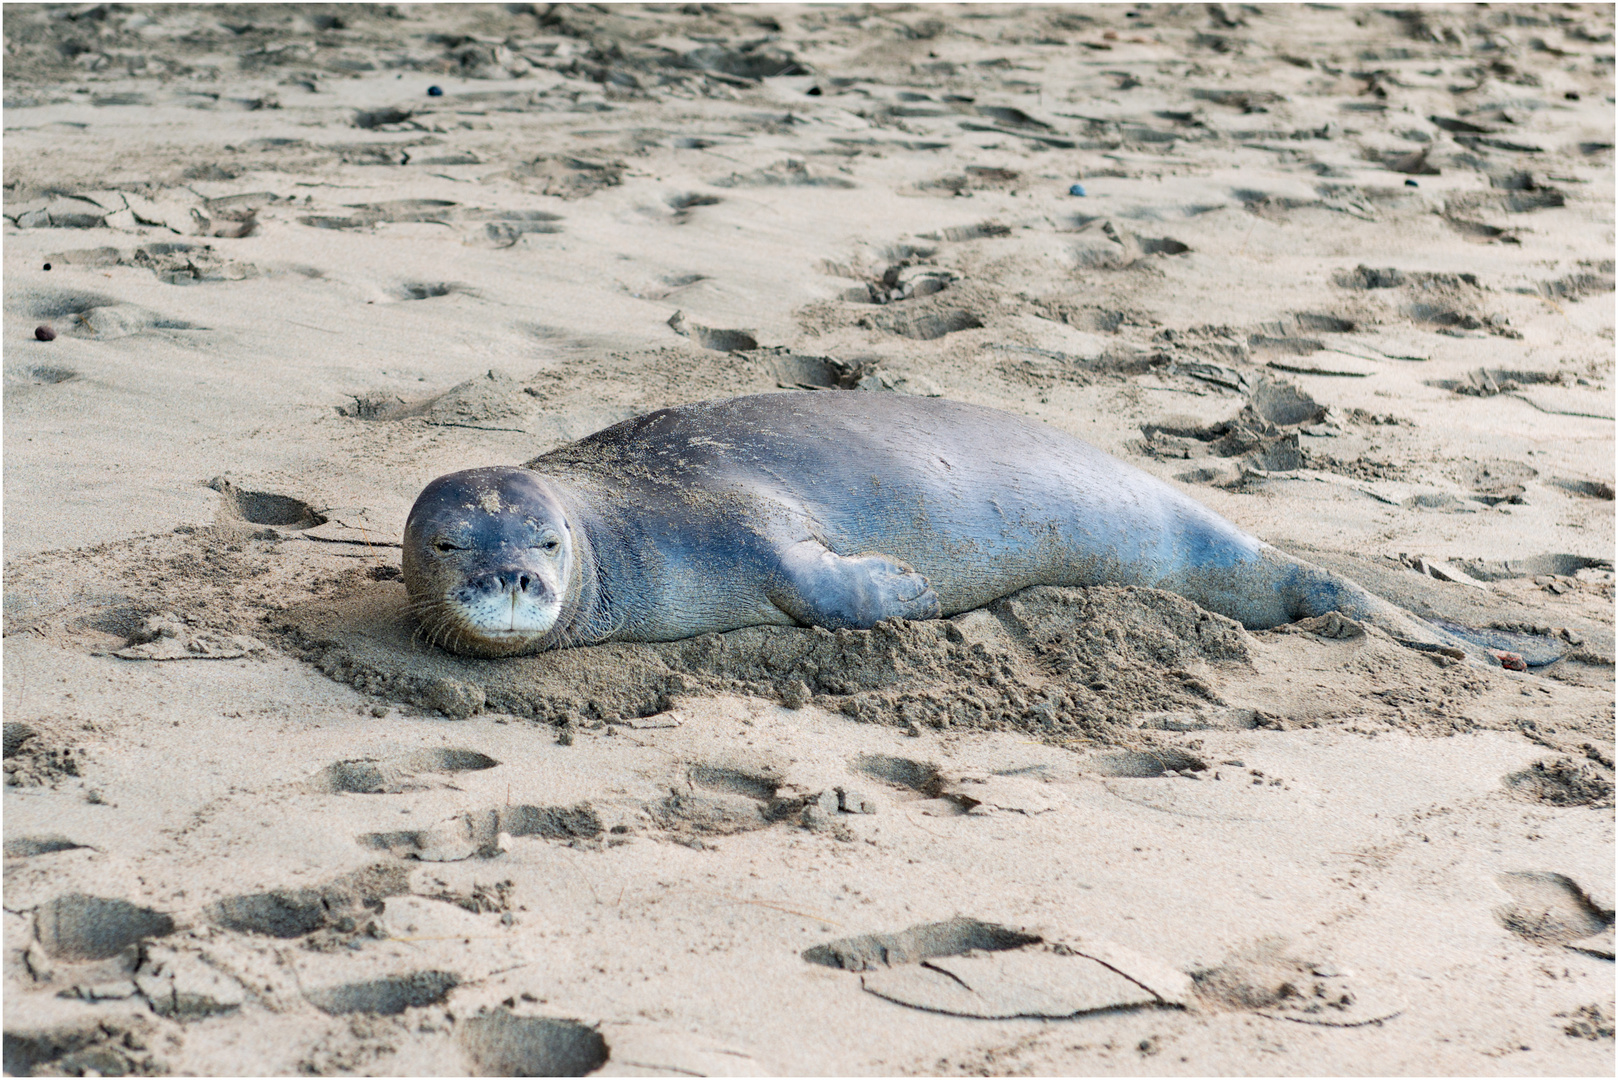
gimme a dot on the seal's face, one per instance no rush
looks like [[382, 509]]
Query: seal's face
[[488, 555]]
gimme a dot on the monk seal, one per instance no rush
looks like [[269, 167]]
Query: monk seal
[[827, 509]]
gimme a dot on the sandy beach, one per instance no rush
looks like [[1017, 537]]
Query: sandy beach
[[1343, 274]]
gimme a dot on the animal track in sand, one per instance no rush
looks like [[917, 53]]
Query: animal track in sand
[[427, 290], [1448, 303], [683, 204], [99, 1046], [175, 262], [385, 997], [566, 176], [1113, 248], [1144, 764], [500, 1043], [1504, 202], [959, 233], [501, 227], [478, 832], [902, 772], [970, 968], [925, 325], [1265, 979], [1494, 480], [902, 281], [1366, 277], [1312, 321], [1549, 908], [26, 847], [973, 178], [789, 173], [390, 212], [376, 776], [290, 913], [927, 941], [58, 304], [79, 927], [478, 401], [721, 799], [101, 318], [266, 507], [797, 371], [719, 813], [46, 375], [1487, 382], [1576, 286], [1585, 489], [1264, 434], [371, 119], [752, 784], [711, 338]]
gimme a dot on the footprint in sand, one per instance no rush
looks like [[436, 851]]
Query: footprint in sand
[[970, 968], [265, 507], [919, 776], [479, 402], [388, 996], [711, 338], [295, 912], [484, 833], [684, 203], [76, 927], [391, 775], [1551, 909], [1266, 979], [500, 1043], [925, 325]]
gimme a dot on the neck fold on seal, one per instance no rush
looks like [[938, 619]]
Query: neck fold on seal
[[585, 618]]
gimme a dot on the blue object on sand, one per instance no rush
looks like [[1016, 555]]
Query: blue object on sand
[[1076, 189], [435, 91], [1411, 183]]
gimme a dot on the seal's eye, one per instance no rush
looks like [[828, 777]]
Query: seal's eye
[[549, 545], [445, 545]]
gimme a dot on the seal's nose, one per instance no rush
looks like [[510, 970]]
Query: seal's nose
[[512, 579]]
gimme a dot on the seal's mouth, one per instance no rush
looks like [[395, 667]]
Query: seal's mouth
[[501, 625]]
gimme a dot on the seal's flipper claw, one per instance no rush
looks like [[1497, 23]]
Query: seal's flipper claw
[[819, 587]]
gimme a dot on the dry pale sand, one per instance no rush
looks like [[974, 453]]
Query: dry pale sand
[[1345, 274]]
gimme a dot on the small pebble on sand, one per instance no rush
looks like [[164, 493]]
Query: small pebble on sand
[[44, 333]]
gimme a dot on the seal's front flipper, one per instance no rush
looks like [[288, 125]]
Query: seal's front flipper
[[819, 587]]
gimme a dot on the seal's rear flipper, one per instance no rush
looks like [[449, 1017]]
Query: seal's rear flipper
[[1534, 650]]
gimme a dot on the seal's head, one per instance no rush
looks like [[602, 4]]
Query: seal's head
[[489, 556]]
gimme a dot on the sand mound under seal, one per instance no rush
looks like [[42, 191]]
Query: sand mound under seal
[[1051, 661]]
